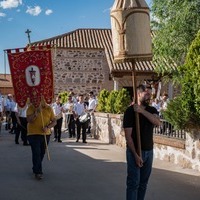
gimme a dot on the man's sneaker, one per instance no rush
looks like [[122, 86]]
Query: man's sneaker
[[38, 176], [54, 139]]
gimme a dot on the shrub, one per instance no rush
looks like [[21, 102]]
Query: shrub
[[64, 97], [102, 100], [110, 103], [122, 101], [114, 102]]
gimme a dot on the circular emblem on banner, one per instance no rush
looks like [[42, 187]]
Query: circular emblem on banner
[[32, 75]]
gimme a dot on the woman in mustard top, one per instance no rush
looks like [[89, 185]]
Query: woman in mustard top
[[40, 121]]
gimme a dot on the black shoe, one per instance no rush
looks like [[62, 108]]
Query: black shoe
[[84, 142], [25, 144], [59, 140], [16, 142], [39, 176], [76, 140]]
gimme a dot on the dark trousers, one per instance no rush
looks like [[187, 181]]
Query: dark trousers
[[137, 177], [8, 120], [38, 148], [71, 126], [14, 122], [21, 129], [57, 129], [83, 127]]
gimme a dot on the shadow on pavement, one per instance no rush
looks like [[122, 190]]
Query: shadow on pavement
[[82, 171]]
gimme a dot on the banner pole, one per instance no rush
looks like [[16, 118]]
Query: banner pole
[[45, 139], [137, 120]]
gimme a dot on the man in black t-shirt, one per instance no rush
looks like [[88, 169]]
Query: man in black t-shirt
[[139, 167]]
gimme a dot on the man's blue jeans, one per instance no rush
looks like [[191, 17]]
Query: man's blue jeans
[[137, 178], [38, 148]]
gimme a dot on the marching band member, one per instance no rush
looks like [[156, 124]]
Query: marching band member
[[79, 109], [69, 116], [20, 114], [92, 104], [58, 110]]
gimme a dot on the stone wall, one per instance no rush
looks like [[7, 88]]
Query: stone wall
[[185, 153], [81, 70], [108, 128]]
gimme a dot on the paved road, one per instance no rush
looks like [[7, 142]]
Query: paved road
[[90, 171]]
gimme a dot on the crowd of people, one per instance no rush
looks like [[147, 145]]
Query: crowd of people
[[76, 115]]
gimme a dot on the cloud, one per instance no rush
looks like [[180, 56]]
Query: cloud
[[10, 4], [2, 14], [48, 12], [35, 11]]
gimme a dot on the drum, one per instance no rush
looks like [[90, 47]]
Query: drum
[[84, 118]]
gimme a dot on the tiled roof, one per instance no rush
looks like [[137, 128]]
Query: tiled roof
[[5, 81], [97, 39]]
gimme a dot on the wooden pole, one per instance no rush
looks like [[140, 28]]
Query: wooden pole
[[45, 138], [137, 120]]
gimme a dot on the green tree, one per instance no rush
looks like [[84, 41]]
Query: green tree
[[175, 24], [184, 111]]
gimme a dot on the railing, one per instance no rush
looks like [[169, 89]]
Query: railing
[[166, 129]]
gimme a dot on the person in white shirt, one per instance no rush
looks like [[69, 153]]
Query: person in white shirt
[[20, 114], [92, 104], [58, 112], [69, 116], [9, 106], [7, 110], [156, 104], [164, 103], [80, 110], [74, 99]]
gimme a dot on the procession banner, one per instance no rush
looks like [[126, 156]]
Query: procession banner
[[32, 75]]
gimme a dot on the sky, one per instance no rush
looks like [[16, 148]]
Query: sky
[[46, 19]]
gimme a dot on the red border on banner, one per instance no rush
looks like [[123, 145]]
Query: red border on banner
[[21, 64]]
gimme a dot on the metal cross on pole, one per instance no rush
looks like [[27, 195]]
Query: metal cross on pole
[[28, 34]]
